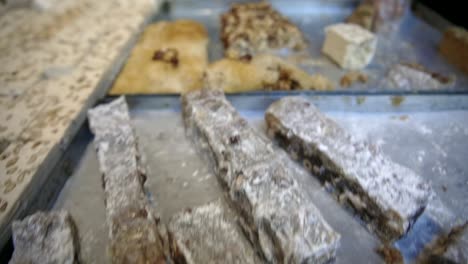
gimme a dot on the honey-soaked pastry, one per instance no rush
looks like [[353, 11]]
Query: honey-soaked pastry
[[170, 57], [252, 28], [262, 72], [364, 16], [454, 47]]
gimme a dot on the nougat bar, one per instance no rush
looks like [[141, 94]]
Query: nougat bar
[[277, 216], [133, 228], [209, 234], [45, 238], [386, 195]]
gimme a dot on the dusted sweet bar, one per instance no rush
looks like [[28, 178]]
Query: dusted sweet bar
[[280, 220], [208, 234], [45, 238], [385, 194], [133, 230]]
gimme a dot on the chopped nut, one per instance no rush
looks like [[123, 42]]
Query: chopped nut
[[11, 162], [168, 55], [9, 186], [353, 76], [3, 205]]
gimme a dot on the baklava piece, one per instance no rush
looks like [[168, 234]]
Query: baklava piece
[[170, 57], [454, 47], [252, 28], [262, 72]]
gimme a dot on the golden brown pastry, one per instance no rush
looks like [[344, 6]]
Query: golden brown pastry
[[364, 16], [261, 72], [454, 47], [170, 57]]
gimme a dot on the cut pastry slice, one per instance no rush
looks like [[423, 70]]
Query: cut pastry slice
[[364, 15], [134, 231], [45, 238], [454, 47], [386, 195], [249, 29], [262, 72], [209, 234], [275, 213], [170, 57]]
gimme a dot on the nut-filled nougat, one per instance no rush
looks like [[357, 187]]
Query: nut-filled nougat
[[278, 217], [133, 229], [387, 195], [209, 234]]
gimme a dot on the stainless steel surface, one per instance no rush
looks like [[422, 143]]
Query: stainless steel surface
[[415, 42], [428, 133]]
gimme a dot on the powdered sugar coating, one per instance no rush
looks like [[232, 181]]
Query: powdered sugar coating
[[45, 238], [394, 188], [133, 229], [404, 77], [279, 219], [207, 234], [117, 153]]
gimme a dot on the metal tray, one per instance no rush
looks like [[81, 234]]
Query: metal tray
[[416, 41], [427, 133]]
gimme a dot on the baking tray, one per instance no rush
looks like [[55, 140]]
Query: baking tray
[[428, 133], [415, 42]]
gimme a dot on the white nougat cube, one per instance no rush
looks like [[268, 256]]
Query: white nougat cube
[[350, 46]]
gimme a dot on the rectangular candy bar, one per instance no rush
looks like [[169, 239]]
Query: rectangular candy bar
[[388, 196], [208, 234], [279, 219], [45, 238], [133, 229]]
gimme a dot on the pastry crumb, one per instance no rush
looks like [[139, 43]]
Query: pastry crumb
[[353, 76]]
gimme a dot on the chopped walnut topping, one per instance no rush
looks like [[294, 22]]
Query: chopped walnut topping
[[167, 55], [246, 58], [284, 82], [255, 28]]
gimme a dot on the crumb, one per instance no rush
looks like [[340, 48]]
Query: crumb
[[403, 117], [397, 100], [353, 76]]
